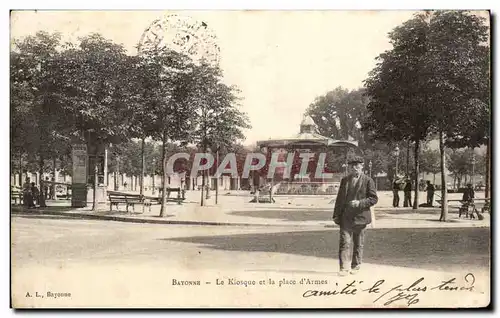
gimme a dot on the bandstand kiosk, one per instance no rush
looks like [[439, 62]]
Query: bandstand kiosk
[[307, 140]]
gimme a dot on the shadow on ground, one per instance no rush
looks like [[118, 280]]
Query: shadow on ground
[[436, 249], [289, 214], [46, 217], [324, 214], [55, 213], [16, 209]]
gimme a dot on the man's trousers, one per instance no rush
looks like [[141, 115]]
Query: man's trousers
[[351, 246]]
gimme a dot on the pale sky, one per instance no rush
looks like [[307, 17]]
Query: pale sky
[[280, 60]]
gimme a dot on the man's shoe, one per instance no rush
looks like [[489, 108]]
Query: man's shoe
[[343, 272], [355, 270]]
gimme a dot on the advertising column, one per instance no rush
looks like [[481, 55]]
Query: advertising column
[[79, 183]]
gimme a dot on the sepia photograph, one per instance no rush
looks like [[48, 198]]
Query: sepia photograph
[[250, 159]]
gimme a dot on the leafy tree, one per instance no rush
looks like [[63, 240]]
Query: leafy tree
[[459, 163], [36, 78], [433, 76], [167, 77], [430, 161], [95, 72], [241, 153], [397, 87], [459, 92], [94, 94], [338, 114], [472, 78], [481, 160], [137, 110], [218, 122]]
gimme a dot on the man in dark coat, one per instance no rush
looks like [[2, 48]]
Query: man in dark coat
[[395, 191], [356, 195], [430, 193], [469, 194], [407, 192]]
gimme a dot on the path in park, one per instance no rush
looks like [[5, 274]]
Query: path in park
[[294, 211], [106, 263]]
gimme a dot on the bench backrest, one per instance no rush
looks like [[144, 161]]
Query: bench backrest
[[126, 197]]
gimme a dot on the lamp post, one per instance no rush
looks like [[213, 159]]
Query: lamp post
[[153, 175], [217, 177], [396, 153], [473, 166], [94, 199]]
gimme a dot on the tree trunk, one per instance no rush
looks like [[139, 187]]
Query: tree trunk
[[41, 197], [217, 180], [54, 194], [434, 178], [153, 179], [271, 191], [209, 183], [94, 198], [203, 179], [417, 172], [488, 170], [143, 167], [407, 158], [20, 169], [95, 170], [164, 174], [202, 188], [444, 193], [117, 180]]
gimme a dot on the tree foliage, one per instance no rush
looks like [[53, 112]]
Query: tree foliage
[[433, 80], [92, 91], [430, 161], [338, 114]]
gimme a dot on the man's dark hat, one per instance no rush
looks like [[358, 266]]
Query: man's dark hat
[[355, 159]]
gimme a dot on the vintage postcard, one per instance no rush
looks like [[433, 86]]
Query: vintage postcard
[[250, 159]]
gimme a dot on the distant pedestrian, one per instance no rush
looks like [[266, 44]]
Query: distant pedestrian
[[430, 193], [52, 188], [35, 195], [357, 194], [395, 192], [469, 194], [46, 190], [407, 193], [27, 198]]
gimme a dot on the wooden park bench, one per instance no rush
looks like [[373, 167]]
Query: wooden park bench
[[129, 199], [181, 195], [469, 208], [265, 195]]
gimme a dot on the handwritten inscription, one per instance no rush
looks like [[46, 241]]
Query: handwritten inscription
[[387, 295], [384, 292]]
